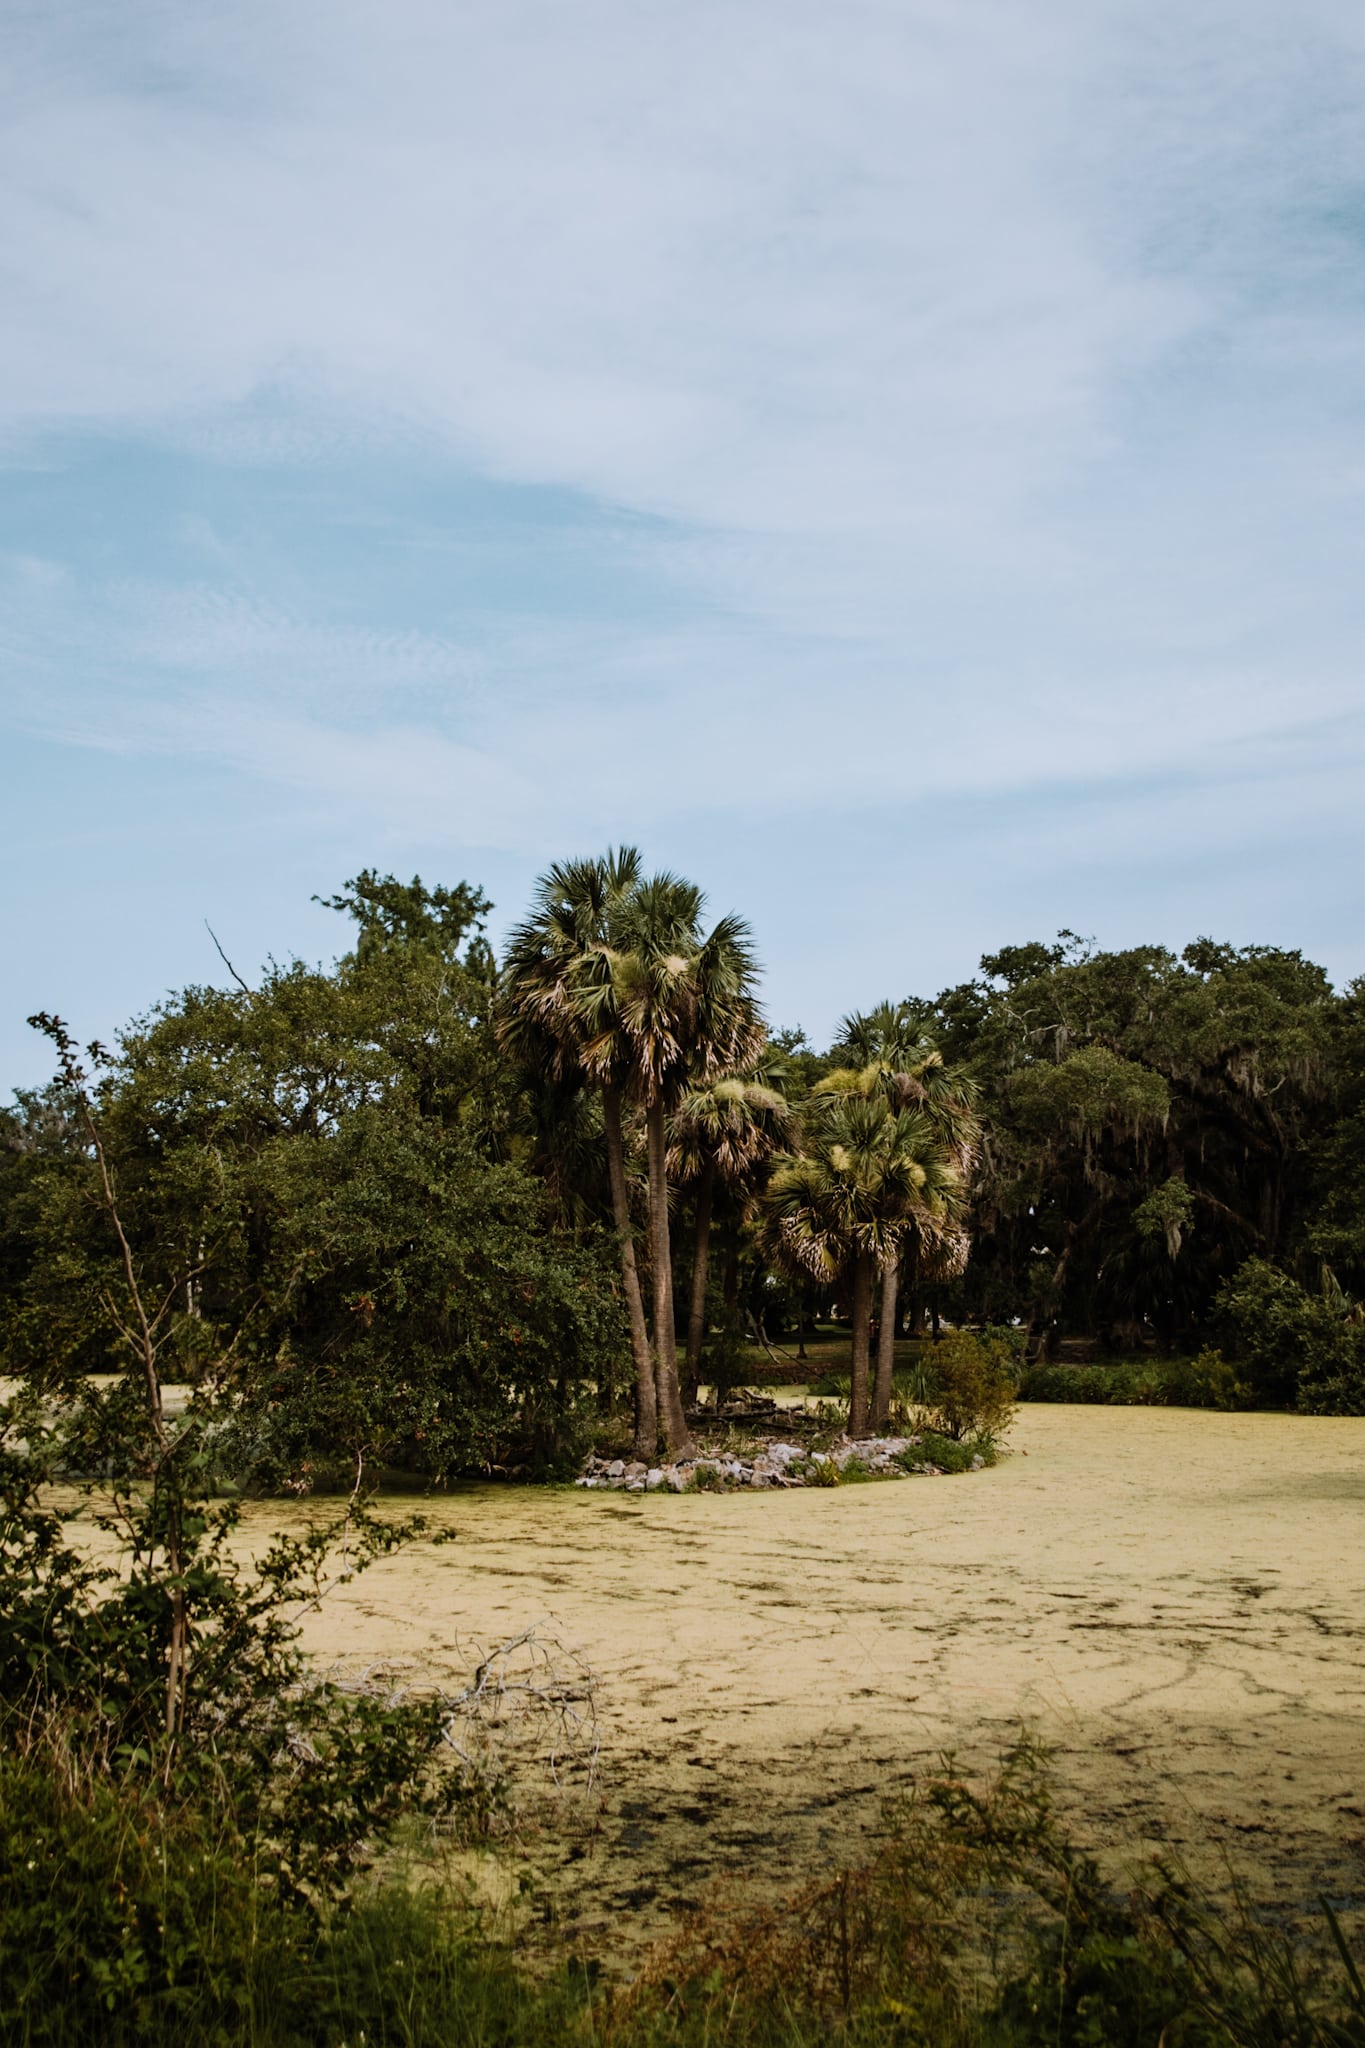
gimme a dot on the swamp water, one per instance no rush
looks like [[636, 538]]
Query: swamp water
[[1173, 1601]]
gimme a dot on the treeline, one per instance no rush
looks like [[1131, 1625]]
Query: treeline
[[426, 1209]]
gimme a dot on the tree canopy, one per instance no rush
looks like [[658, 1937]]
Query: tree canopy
[[422, 1207]]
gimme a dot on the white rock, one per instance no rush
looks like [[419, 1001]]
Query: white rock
[[616, 1468], [654, 1478]]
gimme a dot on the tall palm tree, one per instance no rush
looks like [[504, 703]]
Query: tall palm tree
[[841, 1206], [721, 1136], [898, 1061], [543, 1026], [681, 1007]]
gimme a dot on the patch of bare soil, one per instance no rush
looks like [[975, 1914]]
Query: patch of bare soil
[[1174, 1601]]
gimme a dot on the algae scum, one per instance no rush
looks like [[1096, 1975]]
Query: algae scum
[[1175, 1603]]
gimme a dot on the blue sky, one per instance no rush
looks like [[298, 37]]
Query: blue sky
[[902, 464]]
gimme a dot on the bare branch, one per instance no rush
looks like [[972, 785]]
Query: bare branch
[[224, 958]]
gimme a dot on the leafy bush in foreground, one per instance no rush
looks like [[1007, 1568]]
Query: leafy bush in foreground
[[976, 1923], [126, 1919]]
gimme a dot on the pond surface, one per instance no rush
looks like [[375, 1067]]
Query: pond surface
[[1174, 1600]]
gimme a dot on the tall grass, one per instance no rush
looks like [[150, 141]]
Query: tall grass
[[975, 1922]]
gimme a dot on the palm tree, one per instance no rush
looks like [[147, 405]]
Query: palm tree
[[842, 1205], [721, 1136], [899, 1062], [680, 1009], [541, 1024]]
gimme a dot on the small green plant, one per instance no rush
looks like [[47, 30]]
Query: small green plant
[[950, 1454], [816, 1472], [973, 1385]]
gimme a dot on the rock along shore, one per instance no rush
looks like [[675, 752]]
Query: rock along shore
[[776, 1465]]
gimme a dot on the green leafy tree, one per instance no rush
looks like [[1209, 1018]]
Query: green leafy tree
[[1108, 1077]]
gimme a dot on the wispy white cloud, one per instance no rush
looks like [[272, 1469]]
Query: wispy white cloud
[[955, 401]]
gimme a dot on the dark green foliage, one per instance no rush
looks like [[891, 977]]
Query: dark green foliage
[[314, 1775], [438, 1320], [1152, 1124], [949, 1453], [1290, 1346], [1204, 1382], [316, 1184], [1336, 1231], [125, 1919]]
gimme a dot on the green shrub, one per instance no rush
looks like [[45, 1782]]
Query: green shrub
[[950, 1454], [1290, 1346], [824, 1474], [1204, 1382], [126, 1919], [973, 1390]]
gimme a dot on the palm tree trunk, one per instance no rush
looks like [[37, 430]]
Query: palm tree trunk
[[862, 1317], [646, 1405], [886, 1346], [729, 1318], [701, 1259], [672, 1421]]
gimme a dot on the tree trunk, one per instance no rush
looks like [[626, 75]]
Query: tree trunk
[[862, 1317], [701, 1258], [886, 1346], [646, 1405], [672, 1421], [729, 1318]]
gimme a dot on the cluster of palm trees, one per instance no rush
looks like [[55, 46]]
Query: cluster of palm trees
[[611, 985], [879, 1185]]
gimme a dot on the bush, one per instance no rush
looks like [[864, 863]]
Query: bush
[[1204, 1382], [950, 1454], [127, 1919], [1290, 1346], [973, 1385], [1088, 1384]]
